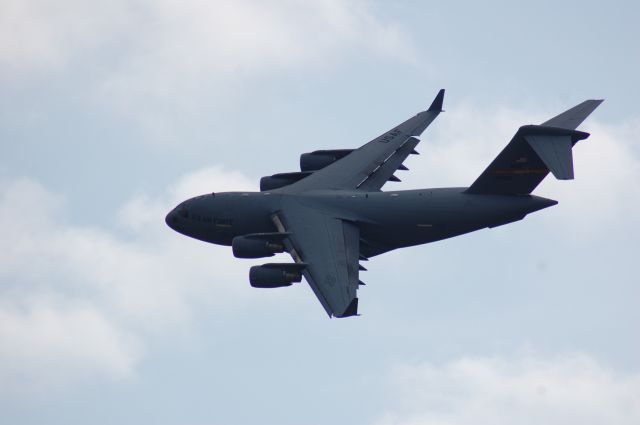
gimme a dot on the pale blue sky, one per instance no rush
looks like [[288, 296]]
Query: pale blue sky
[[111, 112]]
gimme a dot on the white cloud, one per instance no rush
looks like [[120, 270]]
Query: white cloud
[[525, 389], [45, 35], [165, 46], [49, 345], [190, 52], [605, 191], [159, 63], [460, 144], [79, 301]]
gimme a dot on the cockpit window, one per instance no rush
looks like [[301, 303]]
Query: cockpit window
[[183, 213]]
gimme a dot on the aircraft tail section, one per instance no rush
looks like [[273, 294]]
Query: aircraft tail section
[[533, 152], [572, 118]]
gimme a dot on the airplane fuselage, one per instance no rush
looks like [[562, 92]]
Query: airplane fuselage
[[386, 220]]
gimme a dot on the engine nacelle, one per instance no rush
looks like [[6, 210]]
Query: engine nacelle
[[277, 181], [316, 160], [258, 245], [275, 275]]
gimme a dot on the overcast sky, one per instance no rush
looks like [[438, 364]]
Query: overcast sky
[[113, 111]]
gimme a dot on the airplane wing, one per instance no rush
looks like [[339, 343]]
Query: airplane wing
[[373, 164], [329, 248]]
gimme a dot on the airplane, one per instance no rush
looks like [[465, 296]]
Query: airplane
[[332, 214]]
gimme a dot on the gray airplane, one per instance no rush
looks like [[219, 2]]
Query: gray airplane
[[331, 215]]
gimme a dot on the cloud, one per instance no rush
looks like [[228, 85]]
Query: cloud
[[187, 54], [79, 302], [524, 389], [605, 190], [50, 344], [163, 66], [46, 35], [165, 46], [459, 145]]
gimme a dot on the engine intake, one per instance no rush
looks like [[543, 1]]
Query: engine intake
[[258, 245], [275, 275], [317, 160]]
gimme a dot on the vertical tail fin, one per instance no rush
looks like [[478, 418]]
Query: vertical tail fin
[[533, 152]]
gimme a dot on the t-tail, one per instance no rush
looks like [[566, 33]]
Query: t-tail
[[533, 152]]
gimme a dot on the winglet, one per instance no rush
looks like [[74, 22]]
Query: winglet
[[436, 105], [351, 310]]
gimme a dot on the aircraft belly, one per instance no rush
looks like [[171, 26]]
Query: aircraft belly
[[418, 222], [420, 218]]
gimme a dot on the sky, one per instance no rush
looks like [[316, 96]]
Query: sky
[[111, 112]]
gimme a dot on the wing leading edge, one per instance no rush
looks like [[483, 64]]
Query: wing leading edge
[[373, 164]]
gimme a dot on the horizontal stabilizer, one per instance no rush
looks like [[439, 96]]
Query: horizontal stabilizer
[[555, 152], [572, 118]]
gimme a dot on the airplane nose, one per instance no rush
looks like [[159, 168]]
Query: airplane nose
[[171, 219]]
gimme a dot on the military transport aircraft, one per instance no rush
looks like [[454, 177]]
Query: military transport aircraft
[[331, 215]]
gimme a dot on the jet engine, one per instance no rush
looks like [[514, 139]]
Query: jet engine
[[257, 245], [277, 181], [316, 160], [275, 275]]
